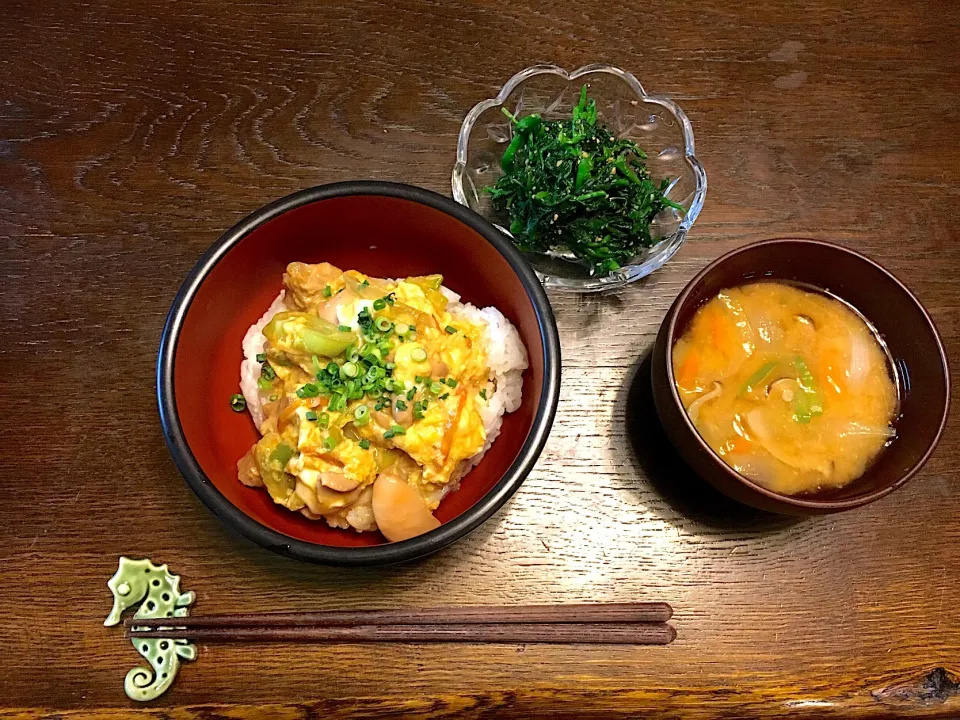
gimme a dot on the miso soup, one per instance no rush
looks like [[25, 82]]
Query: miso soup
[[792, 388]]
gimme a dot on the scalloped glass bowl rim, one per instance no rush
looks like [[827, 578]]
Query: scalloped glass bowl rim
[[668, 246]]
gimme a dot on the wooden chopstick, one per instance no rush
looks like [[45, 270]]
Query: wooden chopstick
[[648, 612], [644, 633]]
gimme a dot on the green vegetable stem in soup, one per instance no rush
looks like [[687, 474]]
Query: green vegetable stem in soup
[[791, 388], [572, 185]]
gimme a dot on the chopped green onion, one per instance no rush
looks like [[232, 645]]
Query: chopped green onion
[[274, 398], [323, 419], [344, 328], [308, 390], [384, 325], [268, 372], [418, 379], [418, 411], [329, 443], [418, 354], [261, 357], [333, 368], [444, 396], [390, 298], [264, 384], [451, 382], [436, 388], [483, 393], [352, 353], [238, 403], [379, 406], [379, 304], [394, 430], [327, 291], [401, 405], [402, 328], [364, 444], [450, 329], [410, 393], [337, 402], [361, 415], [310, 415], [365, 283], [349, 370]]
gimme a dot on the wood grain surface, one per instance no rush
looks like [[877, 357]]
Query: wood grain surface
[[133, 133]]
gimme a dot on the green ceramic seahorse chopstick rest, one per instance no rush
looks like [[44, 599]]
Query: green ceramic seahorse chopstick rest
[[158, 592]]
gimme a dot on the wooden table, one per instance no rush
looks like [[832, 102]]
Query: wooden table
[[133, 134]]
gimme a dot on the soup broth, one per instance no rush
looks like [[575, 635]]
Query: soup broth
[[791, 388]]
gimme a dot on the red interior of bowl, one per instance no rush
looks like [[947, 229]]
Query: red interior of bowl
[[380, 236]]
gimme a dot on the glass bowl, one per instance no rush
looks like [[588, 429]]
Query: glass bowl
[[655, 123]]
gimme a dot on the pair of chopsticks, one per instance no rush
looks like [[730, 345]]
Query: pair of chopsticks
[[615, 623]]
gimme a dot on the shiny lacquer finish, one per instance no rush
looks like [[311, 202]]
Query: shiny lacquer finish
[[384, 230], [899, 318]]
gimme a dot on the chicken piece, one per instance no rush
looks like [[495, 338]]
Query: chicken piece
[[305, 283], [247, 470]]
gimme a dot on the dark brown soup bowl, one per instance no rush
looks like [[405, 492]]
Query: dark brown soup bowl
[[897, 315], [382, 229]]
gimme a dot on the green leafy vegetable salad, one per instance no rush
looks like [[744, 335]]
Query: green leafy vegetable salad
[[572, 185]]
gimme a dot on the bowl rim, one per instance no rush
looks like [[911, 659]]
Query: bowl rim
[[800, 502], [387, 553], [671, 243]]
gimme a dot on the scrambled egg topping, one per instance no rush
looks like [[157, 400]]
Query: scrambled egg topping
[[366, 378]]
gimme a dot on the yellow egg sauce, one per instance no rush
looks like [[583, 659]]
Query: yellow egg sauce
[[366, 378], [791, 388]]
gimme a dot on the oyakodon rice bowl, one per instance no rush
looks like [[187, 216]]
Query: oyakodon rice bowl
[[373, 397]]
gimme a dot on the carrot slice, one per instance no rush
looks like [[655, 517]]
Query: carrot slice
[[720, 332], [687, 374], [289, 412], [451, 430]]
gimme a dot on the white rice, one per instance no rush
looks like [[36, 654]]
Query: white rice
[[253, 343], [506, 355]]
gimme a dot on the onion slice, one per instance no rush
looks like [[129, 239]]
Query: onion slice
[[694, 410]]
